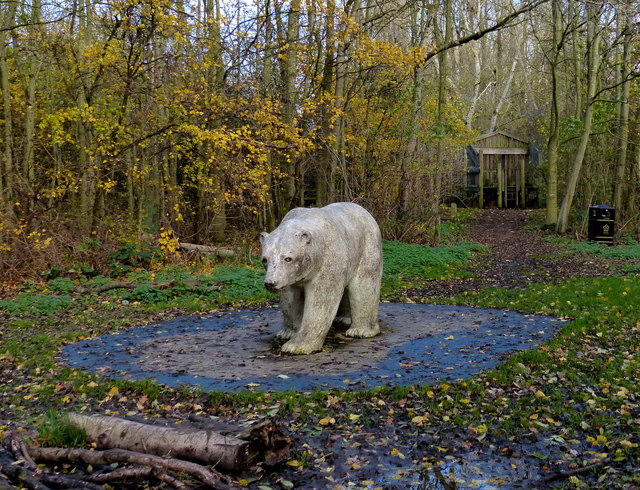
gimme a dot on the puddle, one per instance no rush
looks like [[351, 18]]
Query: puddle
[[453, 475], [234, 350], [484, 466]]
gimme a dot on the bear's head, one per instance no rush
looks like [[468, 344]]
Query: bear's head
[[287, 256]]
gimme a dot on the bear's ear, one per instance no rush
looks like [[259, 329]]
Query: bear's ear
[[263, 237], [305, 237]]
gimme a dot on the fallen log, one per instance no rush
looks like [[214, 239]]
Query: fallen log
[[158, 464], [26, 472], [207, 249], [132, 285], [67, 481], [264, 441], [12, 473], [273, 444], [225, 452]]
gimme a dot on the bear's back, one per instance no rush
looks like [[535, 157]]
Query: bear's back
[[341, 218]]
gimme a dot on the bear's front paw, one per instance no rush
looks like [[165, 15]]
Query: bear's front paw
[[361, 332], [293, 347]]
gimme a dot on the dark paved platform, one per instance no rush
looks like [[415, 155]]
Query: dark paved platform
[[234, 350]]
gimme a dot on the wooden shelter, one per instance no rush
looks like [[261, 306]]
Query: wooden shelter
[[498, 171]]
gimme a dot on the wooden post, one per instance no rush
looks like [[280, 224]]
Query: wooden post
[[481, 179], [500, 167], [523, 181]]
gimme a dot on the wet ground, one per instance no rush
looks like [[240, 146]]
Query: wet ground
[[373, 443], [235, 350]]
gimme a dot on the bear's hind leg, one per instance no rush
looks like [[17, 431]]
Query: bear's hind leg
[[364, 297], [343, 316]]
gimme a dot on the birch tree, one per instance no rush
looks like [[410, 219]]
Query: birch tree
[[593, 39], [553, 58], [620, 183]]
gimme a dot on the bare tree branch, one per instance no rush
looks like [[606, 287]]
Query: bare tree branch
[[474, 36]]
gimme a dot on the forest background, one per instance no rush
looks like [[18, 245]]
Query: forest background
[[125, 121]]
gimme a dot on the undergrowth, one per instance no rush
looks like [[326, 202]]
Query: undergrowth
[[56, 431], [408, 264], [628, 249], [221, 285], [578, 390]]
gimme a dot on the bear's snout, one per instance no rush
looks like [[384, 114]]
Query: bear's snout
[[271, 286]]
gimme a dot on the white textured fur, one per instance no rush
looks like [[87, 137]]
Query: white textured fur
[[324, 262]]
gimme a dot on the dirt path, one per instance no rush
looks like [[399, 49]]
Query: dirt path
[[517, 255]]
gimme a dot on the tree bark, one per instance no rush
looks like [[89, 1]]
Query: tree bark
[[289, 97], [33, 67], [211, 197], [443, 92], [7, 175], [192, 247], [225, 452], [593, 41], [325, 179], [620, 183], [409, 155], [554, 123], [110, 456], [503, 96]]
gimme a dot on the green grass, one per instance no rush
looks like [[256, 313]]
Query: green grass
[[38, 304], [404, 265], [408, 264], [628, 249], [56, 431], [577, 387]]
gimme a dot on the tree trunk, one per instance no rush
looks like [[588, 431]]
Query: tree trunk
[[88, 184], [7, 176], [268, 216], [578, 58], [443, 74], [207, 249], [503, 96], [593, 41], [211, 198], [338, 153], [159, 465], [289, 97], [263, 442], [620, 183], [208, 447], [33, 67], [327, 164], [475, 97], [86, 156], [408, 156], [554, 123]]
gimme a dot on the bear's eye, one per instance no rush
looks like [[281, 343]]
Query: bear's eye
[[264, 261], [288, 259]]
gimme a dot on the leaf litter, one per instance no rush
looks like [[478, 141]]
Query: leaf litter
[[566, 414]]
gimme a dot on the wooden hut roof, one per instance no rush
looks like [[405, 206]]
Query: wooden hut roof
[[501, 143]]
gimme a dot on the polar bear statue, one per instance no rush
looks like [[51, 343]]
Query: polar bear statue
[[324, 262]]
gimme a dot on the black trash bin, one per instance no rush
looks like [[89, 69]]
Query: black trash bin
[[601, 223]]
